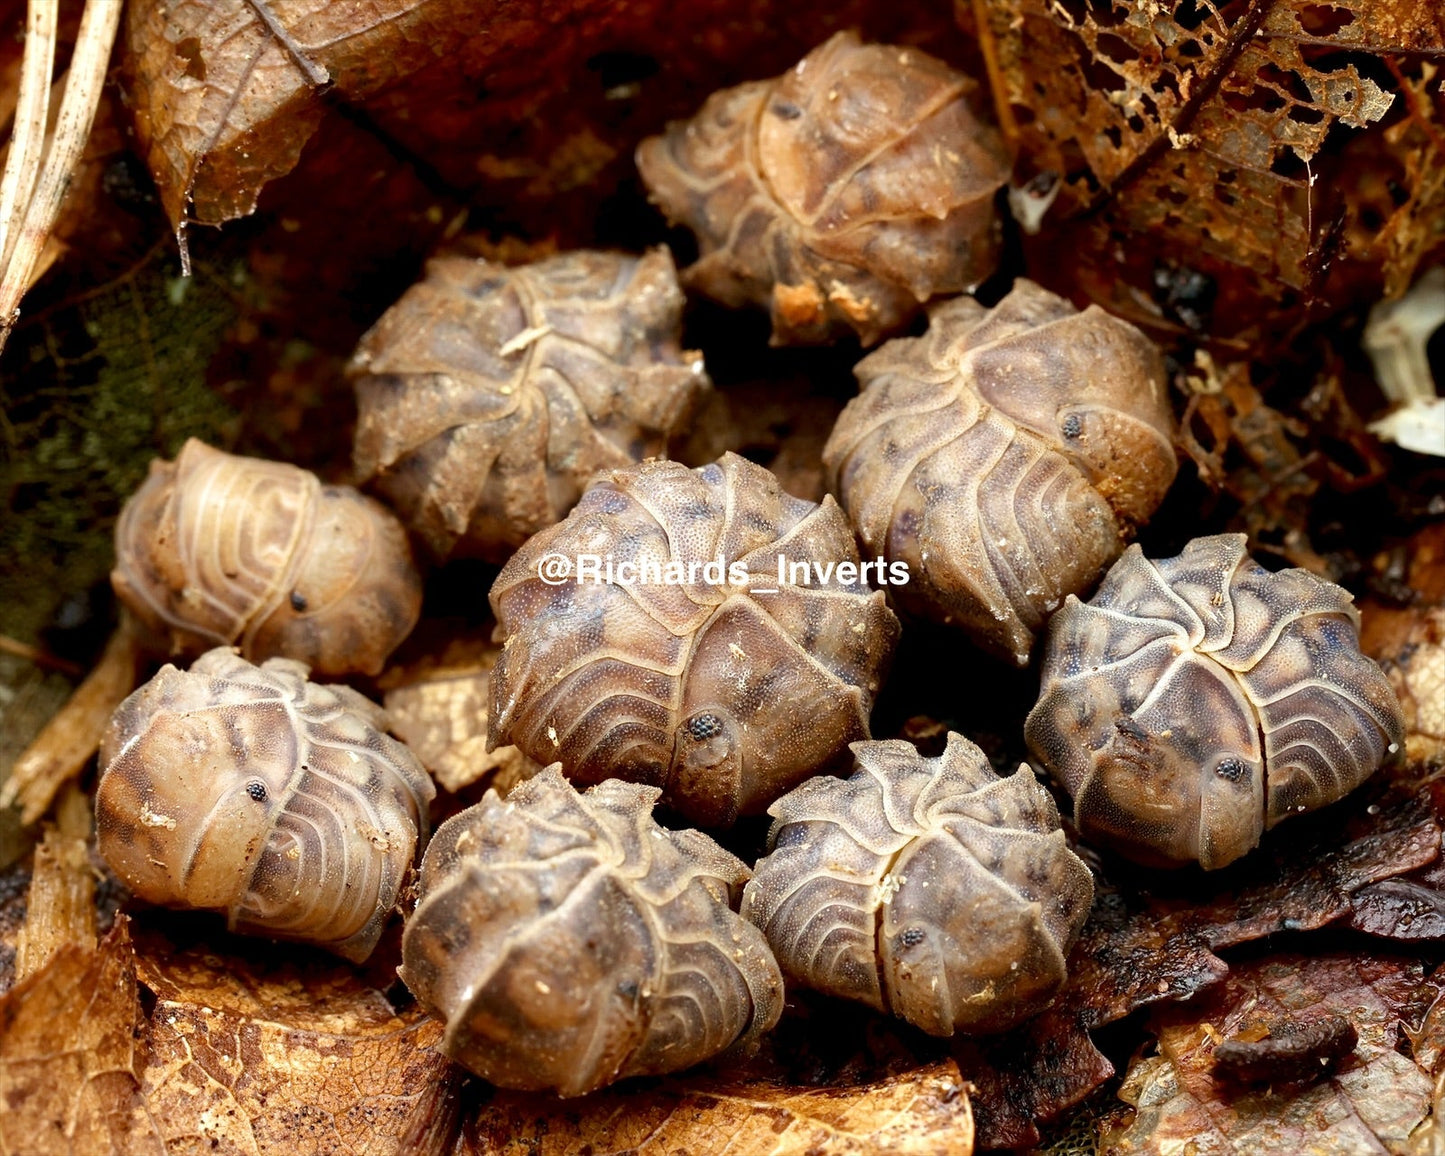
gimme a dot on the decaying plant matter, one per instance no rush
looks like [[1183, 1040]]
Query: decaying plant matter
[[253, 791], [841, 195], [568, 941], [218, 550], [685, 677], [489, 396], [1226, 170], [1007, 456], [1195, 702], [930, 888], [1243, 181], [39, 170]]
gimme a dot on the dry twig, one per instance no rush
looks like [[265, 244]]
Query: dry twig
[[37, 213]]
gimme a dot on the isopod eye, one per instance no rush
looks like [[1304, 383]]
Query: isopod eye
[[257, 790], [704, 726], [1073, 426], [1232, 770]]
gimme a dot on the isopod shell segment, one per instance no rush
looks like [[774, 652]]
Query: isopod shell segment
[[220, 550], [567, 941], [1195, 702], [252, 791], [704, 675], [488, 396], [1007, 456], [840, 195], [931, 888]]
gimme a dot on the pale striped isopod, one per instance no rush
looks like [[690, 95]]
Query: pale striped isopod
[[930, 888], [1195, 702], [842, 194], [220, 550], [1006, 455], [702, 674], [252, 791], [567, 941]]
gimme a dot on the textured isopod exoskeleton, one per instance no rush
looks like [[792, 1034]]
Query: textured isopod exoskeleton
[[1007, 456], [251, 791], [489, 395], [1194, 702], [686, 664], [841, 195], [567, 941], [219, 550], [930, 888]]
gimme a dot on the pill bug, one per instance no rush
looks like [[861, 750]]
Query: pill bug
[[724, 688], [1197, 701], [1006, 456], [220, 550], [840, 195], [567, 941], [253, 791], [930, 888], [488, 396]]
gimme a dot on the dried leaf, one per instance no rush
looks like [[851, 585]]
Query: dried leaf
[[227, 94], [1240, 143], [1370, 1103], [248, 1052], [439, 705], [1030, 1075], [830, 1087], [60, 906], [1408, 641], [1301, 885], [69, 1061], [1139, 949], [1410, 907]]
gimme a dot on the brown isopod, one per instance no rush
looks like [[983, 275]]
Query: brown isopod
[[252, 791], [567, 941], [220, 550], [930, 888], [842, 194], [1195, 702], [489, 395], [686, 664], [1006, 456]]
